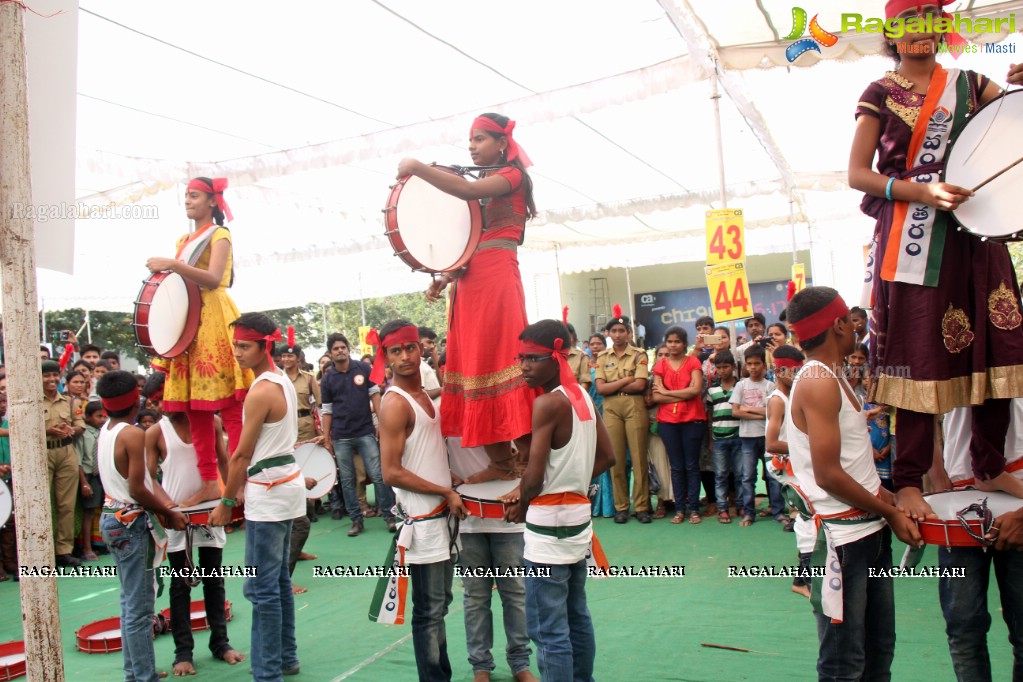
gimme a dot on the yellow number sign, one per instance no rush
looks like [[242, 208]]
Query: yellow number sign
[[726, 236], [729, 292], [799, 276]]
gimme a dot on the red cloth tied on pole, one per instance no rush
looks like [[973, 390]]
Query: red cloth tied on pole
[[568, 379], [514, 150], [402, 335], [249, 334], [820, 321], [217, 190]]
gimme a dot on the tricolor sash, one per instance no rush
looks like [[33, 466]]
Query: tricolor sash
[[917, 237], [389, 598], [127, 513], [560, 507], [190, 250]]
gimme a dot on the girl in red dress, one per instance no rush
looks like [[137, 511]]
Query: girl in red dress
[[485, 401]]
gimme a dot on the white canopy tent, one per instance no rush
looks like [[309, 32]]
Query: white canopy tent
[[307, 108]]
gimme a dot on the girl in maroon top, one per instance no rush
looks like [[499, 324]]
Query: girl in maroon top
[[681, 420], [947, 323], [485, 400]]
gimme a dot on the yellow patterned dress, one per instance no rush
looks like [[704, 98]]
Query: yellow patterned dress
[[207, 377]]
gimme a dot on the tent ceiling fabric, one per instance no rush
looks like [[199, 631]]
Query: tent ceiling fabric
[[307, 109]]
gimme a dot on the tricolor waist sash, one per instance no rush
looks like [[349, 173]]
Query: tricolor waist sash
[[826, 590], [566, 515], [388, 605], [130, 512], [268, 463]]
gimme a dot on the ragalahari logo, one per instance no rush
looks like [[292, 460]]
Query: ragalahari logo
[[818, 36]]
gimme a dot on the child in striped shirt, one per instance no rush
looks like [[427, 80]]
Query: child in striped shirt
[[724, 430]]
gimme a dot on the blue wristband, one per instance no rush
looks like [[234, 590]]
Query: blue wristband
[[888, 189]]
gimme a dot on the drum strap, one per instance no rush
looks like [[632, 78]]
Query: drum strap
[[503, 244]]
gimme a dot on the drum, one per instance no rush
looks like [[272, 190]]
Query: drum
[[199, 514], [166, 314], [12, 660], [316, 462], [480, 499], [100, 637], [6, 504], [430, 230], [993, 211], [964, 516], [197, 613]]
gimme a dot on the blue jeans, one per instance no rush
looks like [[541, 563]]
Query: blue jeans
[[559, 622], [498, 551], [129, 546], [431, 596], [752, 454], [862, 646], [964, 605], [273, 647], [682, 443], [728, 460], [344, 450]]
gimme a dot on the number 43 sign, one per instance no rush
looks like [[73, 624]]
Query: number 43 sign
[[725, 236], [729, 292]]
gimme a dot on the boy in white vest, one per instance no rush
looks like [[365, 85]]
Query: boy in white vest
[[570, 447]]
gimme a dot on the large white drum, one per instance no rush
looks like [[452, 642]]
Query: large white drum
[[316, 462]]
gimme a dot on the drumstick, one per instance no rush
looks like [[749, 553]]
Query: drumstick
[[1007, 168], [736, 648]]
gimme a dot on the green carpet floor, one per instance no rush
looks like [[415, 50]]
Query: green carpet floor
[[647, 628]]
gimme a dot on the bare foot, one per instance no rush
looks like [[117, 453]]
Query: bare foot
[[801, 589], [161, 675], [182, 668], [512, 496], [295, 589], [210, 491], [526, 676], [1004, 482], [491, 473], [481, 676], [231, 657], [911, 502], [307, 557]]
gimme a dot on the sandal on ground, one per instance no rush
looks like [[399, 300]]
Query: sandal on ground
[[764, 513], [723, 517], [695, 518], [660, 513], [678, 518], [746, 522]]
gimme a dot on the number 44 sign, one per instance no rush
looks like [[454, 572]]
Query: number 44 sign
[[729, 292]]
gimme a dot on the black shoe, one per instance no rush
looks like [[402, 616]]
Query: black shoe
[[68, 560], [336, 515], [291, 671], [355, 529], [643, 517], [313, 518], [391, 525], [622, 517]]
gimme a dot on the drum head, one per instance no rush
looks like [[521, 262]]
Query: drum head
[[435, 227], [168, 314], [993, 211], [316, 462], [6, 504], [946, 505], [488, 490]]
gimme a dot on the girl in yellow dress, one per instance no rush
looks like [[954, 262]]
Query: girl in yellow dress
[[206, 378]]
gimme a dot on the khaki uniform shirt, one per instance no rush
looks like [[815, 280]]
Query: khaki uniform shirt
[[632, 363], [578, 362], [57, 412], [308, 391]]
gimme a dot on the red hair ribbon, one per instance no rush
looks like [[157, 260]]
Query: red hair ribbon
[[514, 150], [248, 334], [402, 335], [121, 402], [894, 8], [820, 321], [65, 357], [573, 390], [217, 190], [787, 362]]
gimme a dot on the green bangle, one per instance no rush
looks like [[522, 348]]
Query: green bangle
[[228, 501], [888, 189]]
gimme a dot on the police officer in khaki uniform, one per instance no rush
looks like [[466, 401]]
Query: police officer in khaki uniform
[[61, 460], [578, 361], [306, 386], [621, 376]]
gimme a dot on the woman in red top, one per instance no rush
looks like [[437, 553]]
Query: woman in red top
[[485, 400], [681, 420]]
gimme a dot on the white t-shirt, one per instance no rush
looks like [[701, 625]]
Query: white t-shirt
[[181, 480], [430, 381], [749, 393], [958, 430], [465, 462]]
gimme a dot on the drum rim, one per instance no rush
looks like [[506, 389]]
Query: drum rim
[[140, 316], [310, 495], [82, 634], [393, 231]]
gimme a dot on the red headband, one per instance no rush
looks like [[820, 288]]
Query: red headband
[[248, 334], [787, 362], [402, 335], [217, 190], [896, 7], [121, 402], [514, 150], [568, 379], [821, 320]]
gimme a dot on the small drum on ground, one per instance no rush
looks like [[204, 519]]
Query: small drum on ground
[[167, 314], [198, 614], [481, 499], [316, 462], [12, 660], [6, 504], [431, 230], [993, 211], [100, 637], [964, 516]]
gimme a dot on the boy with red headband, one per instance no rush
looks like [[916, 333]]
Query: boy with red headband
[[569, 448], [264, 462], [129, 524], [839, 488], [415, 464], [206, 378]]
